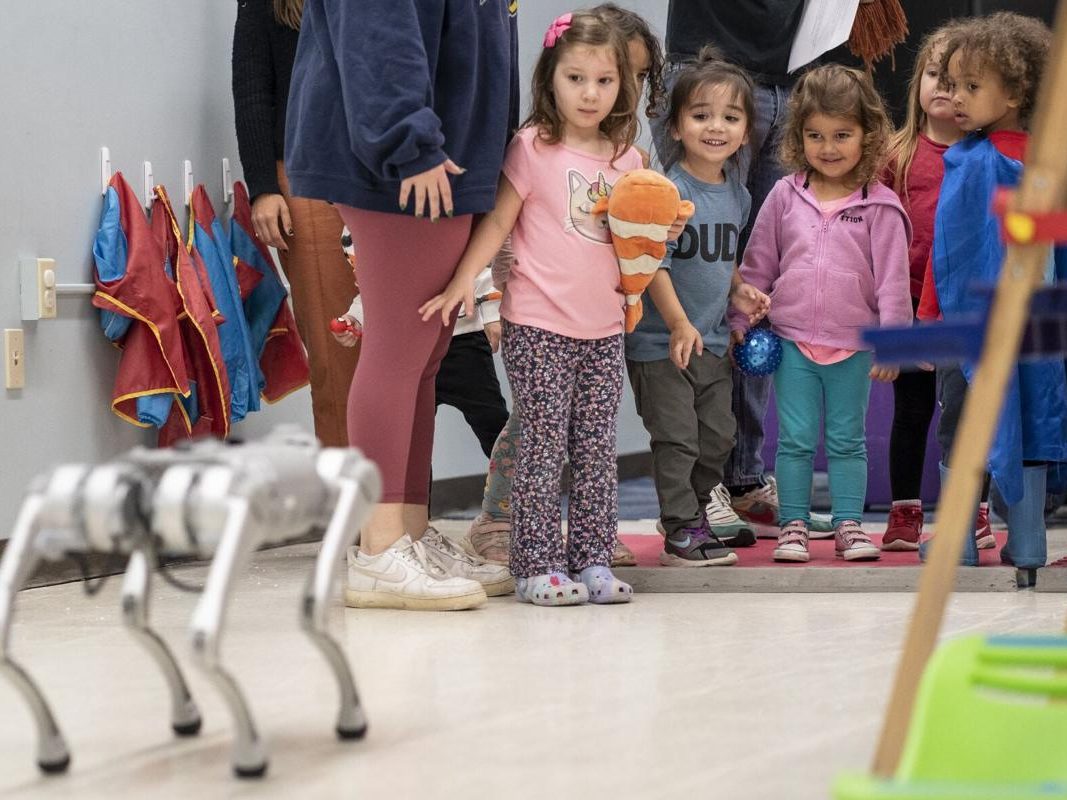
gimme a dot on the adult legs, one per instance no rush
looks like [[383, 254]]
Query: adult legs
[[322, 288], [392, 401]]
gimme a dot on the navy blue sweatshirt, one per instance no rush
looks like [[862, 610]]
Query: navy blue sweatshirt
[[385, 89]]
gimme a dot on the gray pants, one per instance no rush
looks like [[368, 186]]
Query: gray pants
[[688, 418]]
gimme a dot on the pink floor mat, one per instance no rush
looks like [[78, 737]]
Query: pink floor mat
[[648, 547]]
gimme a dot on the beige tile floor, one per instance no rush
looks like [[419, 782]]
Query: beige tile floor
[[730, 696]]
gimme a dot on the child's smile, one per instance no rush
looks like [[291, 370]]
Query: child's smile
[[711, 129], [833, 146]]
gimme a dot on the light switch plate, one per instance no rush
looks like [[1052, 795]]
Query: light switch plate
[[14, 359]]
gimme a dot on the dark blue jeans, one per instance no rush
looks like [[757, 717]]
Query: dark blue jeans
[[759, 170]]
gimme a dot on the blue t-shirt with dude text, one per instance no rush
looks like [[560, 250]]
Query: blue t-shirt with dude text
[[701, 264]]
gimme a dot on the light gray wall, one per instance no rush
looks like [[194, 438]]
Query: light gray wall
[[150, 80]]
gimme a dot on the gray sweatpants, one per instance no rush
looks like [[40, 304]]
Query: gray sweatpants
[[688, 417]]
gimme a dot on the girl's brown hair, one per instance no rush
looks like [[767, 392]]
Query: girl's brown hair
[[905, 141], [289, 12], [633, 26], [837, 91], [708, 70], [586, 30], [1013, 46]]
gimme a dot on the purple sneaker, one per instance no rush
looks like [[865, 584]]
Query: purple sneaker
[[695, 547]]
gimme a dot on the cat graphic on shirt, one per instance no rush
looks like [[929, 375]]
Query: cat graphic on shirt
[[584, 194]]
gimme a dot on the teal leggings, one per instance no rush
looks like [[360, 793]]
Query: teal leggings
[[803, 391]]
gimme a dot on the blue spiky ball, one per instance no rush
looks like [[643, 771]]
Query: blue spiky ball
[[760, 353]]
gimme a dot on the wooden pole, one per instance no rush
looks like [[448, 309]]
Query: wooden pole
[[1042, 189]]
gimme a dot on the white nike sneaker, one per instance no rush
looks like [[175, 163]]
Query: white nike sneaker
[[457, 562], [405, 577]]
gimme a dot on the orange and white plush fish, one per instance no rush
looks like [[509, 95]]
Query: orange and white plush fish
[[641, 209]]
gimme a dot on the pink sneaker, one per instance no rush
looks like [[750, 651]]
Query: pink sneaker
[[852, 544], [623, 556], [793, 543], [489, 539]]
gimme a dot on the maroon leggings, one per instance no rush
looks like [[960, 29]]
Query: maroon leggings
[[401, 263]]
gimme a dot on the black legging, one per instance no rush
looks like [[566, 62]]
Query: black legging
[[914, 400]]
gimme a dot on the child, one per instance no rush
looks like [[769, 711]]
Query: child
[[562, 311], [830, 244], [676, 357], [491, 529], [993, 67], [915, 171], [467, 378]]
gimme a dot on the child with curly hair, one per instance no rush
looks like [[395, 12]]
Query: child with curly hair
[[830, 245]]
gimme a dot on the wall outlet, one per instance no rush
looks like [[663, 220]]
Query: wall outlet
[[14, 359], [37, 285]]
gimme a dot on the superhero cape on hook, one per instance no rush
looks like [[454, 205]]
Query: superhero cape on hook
[[275, 340], [208, 237], [208, 407], [139, 305]]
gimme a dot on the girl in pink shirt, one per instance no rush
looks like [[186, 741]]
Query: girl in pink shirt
[[830, 246], [563, 308]]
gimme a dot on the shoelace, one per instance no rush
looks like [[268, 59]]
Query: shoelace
[[907, 512], [769, 494], [415, 554], [441, 543], [719, 509]]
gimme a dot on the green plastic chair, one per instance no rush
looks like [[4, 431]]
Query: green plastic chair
[[990, 723]]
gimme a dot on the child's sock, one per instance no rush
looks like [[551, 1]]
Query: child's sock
[[604, 587], [551, 589]]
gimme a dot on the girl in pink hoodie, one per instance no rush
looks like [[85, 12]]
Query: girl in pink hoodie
[[830, 246]]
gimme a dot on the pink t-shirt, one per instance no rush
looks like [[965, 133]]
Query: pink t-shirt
[[565, 278]]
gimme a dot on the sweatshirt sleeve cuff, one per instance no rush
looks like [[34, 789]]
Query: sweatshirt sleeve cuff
[[425, 161]]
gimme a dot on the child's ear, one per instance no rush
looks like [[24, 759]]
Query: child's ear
[[673, 131]]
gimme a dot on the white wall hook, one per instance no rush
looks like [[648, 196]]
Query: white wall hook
[[227, 181], [105, 169], [149, 185], [188, 172]]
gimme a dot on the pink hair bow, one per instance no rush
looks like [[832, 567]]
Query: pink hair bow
[[558, 27]]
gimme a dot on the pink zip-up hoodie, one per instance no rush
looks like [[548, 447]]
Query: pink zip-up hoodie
[[829, 278]]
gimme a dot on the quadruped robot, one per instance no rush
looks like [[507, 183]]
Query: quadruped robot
[[207, 500]]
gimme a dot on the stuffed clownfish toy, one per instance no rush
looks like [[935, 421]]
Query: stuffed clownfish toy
[[641, 209]]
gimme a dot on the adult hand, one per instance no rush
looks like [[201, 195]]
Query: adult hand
[[431, 189], [492, 333], [885, 374], [270, 220], [685, 339]]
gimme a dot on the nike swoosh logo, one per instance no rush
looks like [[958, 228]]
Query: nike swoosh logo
[[395, 573], [685, 544]]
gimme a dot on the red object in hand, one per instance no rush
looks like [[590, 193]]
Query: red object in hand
[[343, 324]]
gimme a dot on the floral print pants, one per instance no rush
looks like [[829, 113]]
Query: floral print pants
[[569, 391]]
